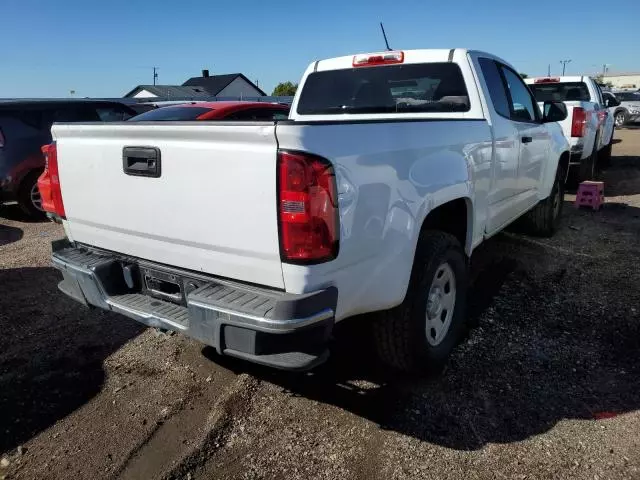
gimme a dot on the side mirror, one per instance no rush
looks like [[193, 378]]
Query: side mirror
[[554, 112]]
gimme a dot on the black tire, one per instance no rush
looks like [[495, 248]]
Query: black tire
[[588, 165], [544, 218], [604, 159], [401, 333], [24, 195], [620, 118]]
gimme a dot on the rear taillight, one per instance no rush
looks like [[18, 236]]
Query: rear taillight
[[49, 182], [578, 122], [1, 138], [307, 208]]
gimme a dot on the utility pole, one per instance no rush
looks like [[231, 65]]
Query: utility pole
[[564, 65], [549, 70], [155, 74]]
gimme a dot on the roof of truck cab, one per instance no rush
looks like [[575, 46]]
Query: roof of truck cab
[[560, 79], [410, 56], [424, 55]]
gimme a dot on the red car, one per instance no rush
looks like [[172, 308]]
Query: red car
[[247, 111]]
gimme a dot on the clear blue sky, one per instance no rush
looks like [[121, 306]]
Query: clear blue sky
[[106, 48]]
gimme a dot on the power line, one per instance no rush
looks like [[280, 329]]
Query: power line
[[564, 65]]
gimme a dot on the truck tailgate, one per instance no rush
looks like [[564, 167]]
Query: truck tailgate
[[211, 207]]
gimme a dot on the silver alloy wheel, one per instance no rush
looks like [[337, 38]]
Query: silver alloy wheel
[[441, 303], [36, 199], [619, 119]]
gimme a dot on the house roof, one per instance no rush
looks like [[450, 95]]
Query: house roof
[[173, 91], [216, 83]]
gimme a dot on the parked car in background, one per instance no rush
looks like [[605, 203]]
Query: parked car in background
[[25, 126], [627, 107], [239, 110], [589, 128], [615, 109], [255, 237]]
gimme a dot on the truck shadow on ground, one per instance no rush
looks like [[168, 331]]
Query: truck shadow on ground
[[9, 234], [621, 178], [13, 212], [51, 352], [549, 346]]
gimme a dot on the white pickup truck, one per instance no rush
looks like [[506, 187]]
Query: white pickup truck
[[256, 237], [588, 127]]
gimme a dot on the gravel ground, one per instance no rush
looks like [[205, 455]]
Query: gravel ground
[[547, 385]]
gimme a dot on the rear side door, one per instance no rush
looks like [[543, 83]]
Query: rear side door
[[605, 117], [533, 137], [504, 184]]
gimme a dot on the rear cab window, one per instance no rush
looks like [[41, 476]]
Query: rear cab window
[[406, 88], [561, 92]]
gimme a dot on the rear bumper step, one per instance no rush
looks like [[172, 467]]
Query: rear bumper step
[[259, 325]]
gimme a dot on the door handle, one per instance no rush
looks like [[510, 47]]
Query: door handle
[[141, 161], [527, 139]]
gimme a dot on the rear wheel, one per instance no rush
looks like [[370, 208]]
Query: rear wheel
[[588, 165], [419, 334], [544, 219], [604, 159], [29, 198]]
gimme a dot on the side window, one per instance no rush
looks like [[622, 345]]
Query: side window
[[258, 114], [600, 96], [112, 114], [26, 116], [75, 114], [495, 85], [522, 103], [280, 115]]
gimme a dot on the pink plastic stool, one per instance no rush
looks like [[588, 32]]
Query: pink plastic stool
[[590, 194]]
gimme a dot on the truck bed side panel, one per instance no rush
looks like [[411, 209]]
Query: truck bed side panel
[[389, 176]]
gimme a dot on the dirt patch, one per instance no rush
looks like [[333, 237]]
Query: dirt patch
[[547, 385]]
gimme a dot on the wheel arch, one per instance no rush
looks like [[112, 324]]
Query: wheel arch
[[454, 216]]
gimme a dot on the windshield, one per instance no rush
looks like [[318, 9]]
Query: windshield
[[561, 92], [170, 113], [430, 87]]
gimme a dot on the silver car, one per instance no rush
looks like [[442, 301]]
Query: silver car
[[625, 106]]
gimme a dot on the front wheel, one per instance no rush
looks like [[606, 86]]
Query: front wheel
[[544, 219], [419, 334], [620, 118], [29, 198], [588, 165], [605, 155]]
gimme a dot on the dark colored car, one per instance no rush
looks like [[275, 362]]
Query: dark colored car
[[25, 126], [238, 110]]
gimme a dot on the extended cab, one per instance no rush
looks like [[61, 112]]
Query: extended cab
[[256, 237], [588, 127]]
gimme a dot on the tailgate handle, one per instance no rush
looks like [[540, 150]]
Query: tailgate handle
[[141, 161]]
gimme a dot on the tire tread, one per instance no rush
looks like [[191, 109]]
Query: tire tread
[[393, 332]]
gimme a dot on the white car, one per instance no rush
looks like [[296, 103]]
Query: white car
[[257, 237], [589, 127]]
